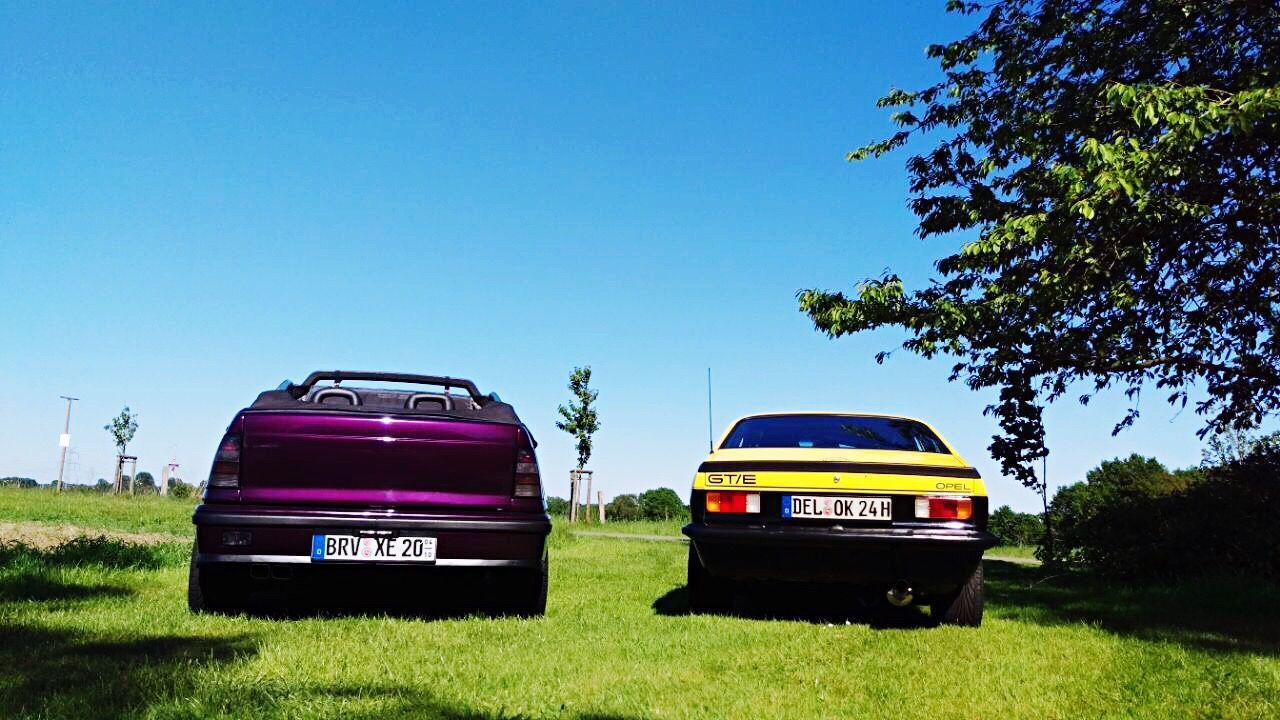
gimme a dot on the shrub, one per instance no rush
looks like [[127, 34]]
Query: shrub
[[21, 482], [623, 508], [1015, 528], [1134, 517], [662, 504], [557, 506]]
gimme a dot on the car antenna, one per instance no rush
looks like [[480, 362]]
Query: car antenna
[[710, 440]]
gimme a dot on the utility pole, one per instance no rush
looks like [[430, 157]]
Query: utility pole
[[64, 441]]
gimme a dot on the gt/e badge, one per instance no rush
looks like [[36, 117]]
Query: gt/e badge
[[731, 479]]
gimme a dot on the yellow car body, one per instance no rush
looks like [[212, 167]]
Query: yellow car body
[[838, 498]]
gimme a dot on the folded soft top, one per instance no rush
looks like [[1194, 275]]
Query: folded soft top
[[335, 396]]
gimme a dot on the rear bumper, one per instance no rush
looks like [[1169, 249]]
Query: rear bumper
[[933, 560], [282, 535]]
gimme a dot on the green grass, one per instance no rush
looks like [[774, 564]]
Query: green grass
[[143, 513], [101, 631], [1022, 552]]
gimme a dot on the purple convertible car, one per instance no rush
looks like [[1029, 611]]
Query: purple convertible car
[[330, 491]]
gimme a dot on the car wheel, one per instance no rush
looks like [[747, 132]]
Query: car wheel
[[706, 593], [529, 596], [963, 606], [203, 593]]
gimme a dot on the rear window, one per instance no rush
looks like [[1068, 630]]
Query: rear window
[[833, 432]]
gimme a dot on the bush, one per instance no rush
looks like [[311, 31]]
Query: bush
[[1134, 517], [20, 482], [662, 504], [1015, 528], [557, 506], [181, 490], [623, 508]]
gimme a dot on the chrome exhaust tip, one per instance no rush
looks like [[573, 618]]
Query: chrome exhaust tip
[[900, 594]]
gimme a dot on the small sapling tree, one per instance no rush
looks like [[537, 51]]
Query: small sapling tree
[[122, 428], [580, 419]]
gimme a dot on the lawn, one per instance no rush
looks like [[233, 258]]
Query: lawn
[[100, 630]]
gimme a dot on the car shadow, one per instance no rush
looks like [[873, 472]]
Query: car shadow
[[820, 606]]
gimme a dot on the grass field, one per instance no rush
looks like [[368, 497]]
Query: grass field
[[99, 629]]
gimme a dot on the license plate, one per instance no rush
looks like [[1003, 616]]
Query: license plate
[[836, 508], [373, 549]]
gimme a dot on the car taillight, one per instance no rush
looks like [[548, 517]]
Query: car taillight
[[528, 481], [733, 502], [944, 508], [226, 463]]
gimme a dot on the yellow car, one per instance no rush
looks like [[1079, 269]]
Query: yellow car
[[874, 501]]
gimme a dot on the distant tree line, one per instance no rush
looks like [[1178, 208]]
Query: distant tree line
[[145, 484], [658, 504]]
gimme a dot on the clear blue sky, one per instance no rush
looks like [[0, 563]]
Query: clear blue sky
[[197, 202]]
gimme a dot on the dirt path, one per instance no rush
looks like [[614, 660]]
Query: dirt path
[[43, 536]]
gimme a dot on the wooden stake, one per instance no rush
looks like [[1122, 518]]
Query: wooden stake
[[600, 504], [588, 513], [573, 496]]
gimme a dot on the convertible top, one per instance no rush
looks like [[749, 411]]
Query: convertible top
[[313, 395]]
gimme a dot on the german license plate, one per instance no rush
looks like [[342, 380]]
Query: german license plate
[[837, 508], [373, 549]]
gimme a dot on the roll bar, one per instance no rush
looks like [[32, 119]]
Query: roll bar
[[298, 391]]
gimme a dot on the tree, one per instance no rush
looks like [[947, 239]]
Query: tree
[[623, 508], [20, 482], [580, 419], [1231, 446], [122, 427], [146, 482], [661, 504], [1115, 168]]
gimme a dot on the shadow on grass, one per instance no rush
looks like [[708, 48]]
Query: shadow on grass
[[60, 673], [804, 603], [36, 587], [377, 703], [1222, 615], [95, 552]]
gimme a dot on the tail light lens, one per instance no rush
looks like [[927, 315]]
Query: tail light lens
[[226, 463], [528, 480], [733, 502], [944, 508]]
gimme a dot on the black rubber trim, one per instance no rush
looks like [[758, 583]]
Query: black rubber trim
[[769, 535], [204, 516], [821, 466]]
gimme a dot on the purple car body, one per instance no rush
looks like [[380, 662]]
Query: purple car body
[[317, 490]]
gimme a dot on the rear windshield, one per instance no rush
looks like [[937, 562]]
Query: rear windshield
[[833, 432]]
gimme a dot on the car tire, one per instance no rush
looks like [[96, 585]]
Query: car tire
[[529, 596], [706, 592], [203, 595], [962, 606]]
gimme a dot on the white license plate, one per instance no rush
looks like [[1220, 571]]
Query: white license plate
[[373, 548], [836, 508]]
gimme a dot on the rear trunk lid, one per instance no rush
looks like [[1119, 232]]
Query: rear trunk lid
[[369, 460]]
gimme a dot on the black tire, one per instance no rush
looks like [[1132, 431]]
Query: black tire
[[963, 606], [204, 594], [529, 596], [706, 593]]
